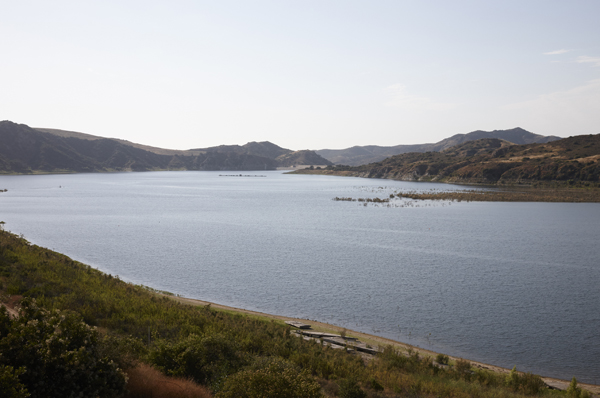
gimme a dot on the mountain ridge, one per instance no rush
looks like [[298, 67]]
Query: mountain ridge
[[359, 155], [491, 161], [27, 150]]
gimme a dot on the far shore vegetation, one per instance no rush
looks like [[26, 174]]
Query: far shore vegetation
[[512, 194], [80, 332]]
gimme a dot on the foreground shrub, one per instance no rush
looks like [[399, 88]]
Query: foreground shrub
[[526, 383], [410, 363], [205, 359], [271, 378], [576, 392], [10, 386], [349, 388], [59, 354], [463, 369], [442, 359], [124, 351]]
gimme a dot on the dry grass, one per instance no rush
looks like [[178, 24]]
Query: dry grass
[[147, 382]]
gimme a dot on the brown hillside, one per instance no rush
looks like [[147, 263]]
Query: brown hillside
[[493, 161]]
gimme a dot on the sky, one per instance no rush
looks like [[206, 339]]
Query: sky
[[302, 74]]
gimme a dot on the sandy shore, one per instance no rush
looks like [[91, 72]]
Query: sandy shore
[[376, 340]]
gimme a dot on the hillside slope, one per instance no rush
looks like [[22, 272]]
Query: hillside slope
[[27, 150], [492, 161], [90, 137], [359, 155], [285, 157]]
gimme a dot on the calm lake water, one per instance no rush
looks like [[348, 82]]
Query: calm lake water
[[502, 283]]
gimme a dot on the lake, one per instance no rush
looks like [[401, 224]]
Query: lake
[[501, 283]]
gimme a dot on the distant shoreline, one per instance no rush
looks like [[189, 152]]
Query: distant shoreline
[[549, 191]]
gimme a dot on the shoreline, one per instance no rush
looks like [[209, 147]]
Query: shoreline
[[553, 191], [376, 340]]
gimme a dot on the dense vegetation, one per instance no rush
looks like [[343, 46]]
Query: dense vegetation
[[139, 332], [54, 354]]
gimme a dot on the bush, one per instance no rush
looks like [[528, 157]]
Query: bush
[[206, 359], [271, 378], [59, 353], [10, 386], [575, 391], [124, 351], [349, 388], [463, 369], [375, 385], [526, 383], [442, 359]]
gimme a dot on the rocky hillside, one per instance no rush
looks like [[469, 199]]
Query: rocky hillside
[[492, 161], [359, 155]]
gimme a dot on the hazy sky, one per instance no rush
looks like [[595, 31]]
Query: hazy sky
[[301, 74]]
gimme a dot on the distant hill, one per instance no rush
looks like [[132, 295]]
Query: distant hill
[[359, 155], [304, 157], [90, 137], [284, 157], [27, 150], [491, 161]]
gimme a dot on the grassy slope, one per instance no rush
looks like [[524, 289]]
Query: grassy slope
[[123, 309]]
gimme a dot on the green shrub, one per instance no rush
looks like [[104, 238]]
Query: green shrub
[[575, 391], [349, 388], [512, 379], [206, 359], [442, 359], [375, 385], [59, 353], [462, 369], [526, 383], [10, 385], [124, 351], [271, 378]]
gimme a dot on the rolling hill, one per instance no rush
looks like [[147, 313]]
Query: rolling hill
[[491, 161], [27, 150], [359, 155]]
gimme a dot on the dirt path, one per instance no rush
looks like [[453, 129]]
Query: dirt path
[[376, 340], [9, 303], [11, 311]]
